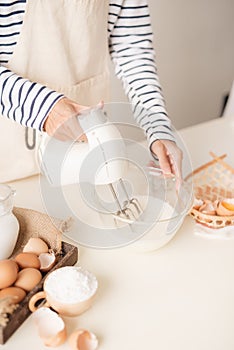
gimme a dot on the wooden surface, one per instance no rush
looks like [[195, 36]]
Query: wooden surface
[[68, 257]]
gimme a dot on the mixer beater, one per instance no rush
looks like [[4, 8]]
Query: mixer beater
[[131, 208]]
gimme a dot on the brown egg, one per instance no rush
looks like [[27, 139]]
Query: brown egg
[[17, 294], [36, 245], [8, 273], [28, 260], [28, 278]]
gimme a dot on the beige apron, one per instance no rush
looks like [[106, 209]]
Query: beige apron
[[63, 44]]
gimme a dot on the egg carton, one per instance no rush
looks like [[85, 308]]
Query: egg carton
[[213, 182]]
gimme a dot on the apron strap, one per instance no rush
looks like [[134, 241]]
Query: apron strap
[[29, 145]]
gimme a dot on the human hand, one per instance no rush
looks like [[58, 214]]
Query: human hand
[[169, 156], [62, 122]]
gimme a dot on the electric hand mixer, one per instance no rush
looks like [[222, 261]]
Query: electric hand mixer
[[101, 161]]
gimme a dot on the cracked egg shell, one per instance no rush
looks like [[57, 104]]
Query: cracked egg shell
[[51, 327], [225, 207], [228, 203], [82, 339], [47, 261], [197, 203], [36, 245], [208, 208]]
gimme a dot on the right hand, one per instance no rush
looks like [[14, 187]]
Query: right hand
[[62, 122], [169, 156]]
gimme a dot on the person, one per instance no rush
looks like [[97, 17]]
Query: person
[[54, 63]]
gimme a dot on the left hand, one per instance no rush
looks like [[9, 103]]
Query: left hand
[[169, 156]]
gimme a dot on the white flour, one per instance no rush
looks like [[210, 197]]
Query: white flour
[[71, 284]]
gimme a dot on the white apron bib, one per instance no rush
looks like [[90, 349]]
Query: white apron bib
[[63, 44]]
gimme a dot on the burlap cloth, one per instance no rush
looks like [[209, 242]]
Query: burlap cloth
[[36, 224]]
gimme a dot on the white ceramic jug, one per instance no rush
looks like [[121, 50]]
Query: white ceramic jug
[[9, 226]]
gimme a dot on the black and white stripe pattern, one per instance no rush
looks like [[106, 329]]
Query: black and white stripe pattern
[[132, 52], [26, 102], [11, 19], [130, 42]]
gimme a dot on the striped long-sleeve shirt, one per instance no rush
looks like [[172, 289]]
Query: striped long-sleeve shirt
[[130, 43]]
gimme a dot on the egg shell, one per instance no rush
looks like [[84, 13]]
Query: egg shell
[[228, 203], [223, 211], [197, 203], [47, 261], [25, 260], [28, 278], [36, 245], [51, 327], [83, 339], [17, 294], [208, 208], [8, 273]]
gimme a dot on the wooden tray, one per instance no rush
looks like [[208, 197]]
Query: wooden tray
[[68, 257]]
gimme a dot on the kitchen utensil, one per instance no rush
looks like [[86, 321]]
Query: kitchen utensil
[[105, 186], [9, 226], [69, 290], [101, 161]]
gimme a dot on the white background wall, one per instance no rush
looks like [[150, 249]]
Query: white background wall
[[194, 43]]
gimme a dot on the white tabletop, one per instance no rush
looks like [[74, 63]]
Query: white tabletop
[[179, 297]]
